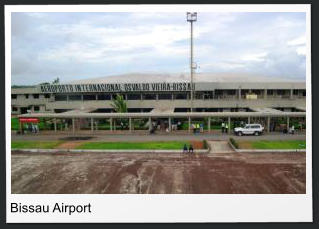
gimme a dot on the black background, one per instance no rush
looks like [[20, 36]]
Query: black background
[[315, 98]]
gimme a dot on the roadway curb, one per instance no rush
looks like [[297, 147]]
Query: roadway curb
[[103, 151]]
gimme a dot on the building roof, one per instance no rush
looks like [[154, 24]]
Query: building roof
[[184, 77], [82, 114]]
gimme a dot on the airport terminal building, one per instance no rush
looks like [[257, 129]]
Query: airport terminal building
[[164, 95]]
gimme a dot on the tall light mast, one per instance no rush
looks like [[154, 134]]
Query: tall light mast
[[191, 17]]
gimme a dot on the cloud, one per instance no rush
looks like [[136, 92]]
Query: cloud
[[254, 57], [297, 41], [301, 50], [73, 45]]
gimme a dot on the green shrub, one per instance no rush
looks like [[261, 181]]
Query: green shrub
[[206, 146], [233, 142]]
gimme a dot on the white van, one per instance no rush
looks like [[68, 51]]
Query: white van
[[255, 129]]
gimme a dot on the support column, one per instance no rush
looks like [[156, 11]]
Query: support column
[[291, 93], [265, 94], [248, 119], [208, 124], [288, 119], [239, 93], [73, 125], [150, 124], [114, 124], [228, 125], [55, 127], [130, 124], [92, 125], [268, 124], [20, 127], [111, 124], [169, 124]]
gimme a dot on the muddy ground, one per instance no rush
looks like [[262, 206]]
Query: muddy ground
[[158, 173]]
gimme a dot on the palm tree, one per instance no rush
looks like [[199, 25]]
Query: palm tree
[[119, 104]]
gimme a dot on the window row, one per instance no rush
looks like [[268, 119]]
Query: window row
[[34, 96]]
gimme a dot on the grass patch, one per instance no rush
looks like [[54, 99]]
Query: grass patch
[[291, 144], [14, 124], [134, 145], [34, 145]]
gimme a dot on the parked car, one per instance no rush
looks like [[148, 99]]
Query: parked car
[[255, 129]]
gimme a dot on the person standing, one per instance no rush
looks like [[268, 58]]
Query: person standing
[[194, 128], [223, 127], [185, 149], [191, 149], [201, 127], [226, 128]]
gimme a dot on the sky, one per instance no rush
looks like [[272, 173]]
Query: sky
[[75, 46]]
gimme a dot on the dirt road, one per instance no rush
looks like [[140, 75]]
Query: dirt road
[[158, 173]]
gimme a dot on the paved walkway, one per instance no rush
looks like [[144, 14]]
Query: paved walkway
[[220, 147], [126, 136]]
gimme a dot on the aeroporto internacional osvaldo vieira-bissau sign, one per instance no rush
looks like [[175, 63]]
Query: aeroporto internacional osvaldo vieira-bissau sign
[[126, 87]]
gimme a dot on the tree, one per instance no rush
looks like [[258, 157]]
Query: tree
[[56, 81], [119, 104]]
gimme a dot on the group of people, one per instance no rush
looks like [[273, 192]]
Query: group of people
[[190, 149], [32, 128], [197, 128], [224, 127], [291, 130]]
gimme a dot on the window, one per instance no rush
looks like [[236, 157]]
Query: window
[[231, 92], [255, 126], [35, 96], [115, 95], [104, 97], [198, 95], [208, 95], [26, 96], [257, 92], [75, 97], [133, 96], [270, 92], [89, 97], [13, 96], [60, 98], [36, 108], [47, 96], [180, 96], [14, 109], [149, 96], [164, 96]]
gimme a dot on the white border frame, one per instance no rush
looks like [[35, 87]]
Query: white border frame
[[166, 208]]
